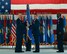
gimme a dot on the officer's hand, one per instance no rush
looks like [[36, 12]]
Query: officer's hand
[[30, 26]]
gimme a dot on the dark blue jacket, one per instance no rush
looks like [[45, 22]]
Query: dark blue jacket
[[60, 25], [35, 27], [21, 28], [60, 28]]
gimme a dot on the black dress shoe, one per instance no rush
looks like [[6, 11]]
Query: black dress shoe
[[60, 51], [28, 50], [35, 51], [18, 51]]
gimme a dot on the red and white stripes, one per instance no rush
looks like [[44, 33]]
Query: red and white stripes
[[48, 6], [13, 34]]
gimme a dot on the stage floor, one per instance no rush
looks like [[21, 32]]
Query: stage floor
[[42, 51]]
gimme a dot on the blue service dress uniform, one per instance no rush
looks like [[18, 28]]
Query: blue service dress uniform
[[60, 34], [36, 33], [20, 30]]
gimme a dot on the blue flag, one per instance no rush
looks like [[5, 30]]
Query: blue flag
[[64, 20], [1, 32], [51, 22], [28, 14], [51, 31], [8, 30], [41, 29], [46, 30], [29, 22]]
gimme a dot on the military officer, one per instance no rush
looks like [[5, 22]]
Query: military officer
[[36, 32], [20, 30], [60, 33]]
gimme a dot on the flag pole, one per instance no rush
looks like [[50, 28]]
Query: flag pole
[[28, 47], [28, 24]]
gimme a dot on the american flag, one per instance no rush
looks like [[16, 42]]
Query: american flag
[[13, 32], [50, 6]]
